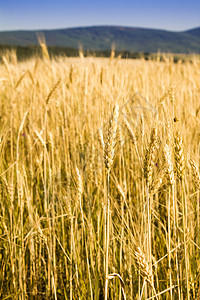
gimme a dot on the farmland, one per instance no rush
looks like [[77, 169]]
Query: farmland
[[99, 175]]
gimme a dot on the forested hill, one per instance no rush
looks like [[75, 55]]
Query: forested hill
[[104, 37]]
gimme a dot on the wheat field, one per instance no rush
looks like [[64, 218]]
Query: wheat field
[[99, 178]]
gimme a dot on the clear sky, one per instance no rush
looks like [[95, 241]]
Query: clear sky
[[50, 14]]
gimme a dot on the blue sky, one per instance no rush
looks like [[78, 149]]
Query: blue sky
[[49, 14]]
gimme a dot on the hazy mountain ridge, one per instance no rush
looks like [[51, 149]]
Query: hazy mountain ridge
[[103, 37]]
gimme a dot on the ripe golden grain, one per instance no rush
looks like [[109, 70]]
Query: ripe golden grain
[[179, 155], [111, 139], [169, 164], [195, 173], [150, 156]]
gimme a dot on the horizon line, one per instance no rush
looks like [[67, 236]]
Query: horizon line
[[101, 25]]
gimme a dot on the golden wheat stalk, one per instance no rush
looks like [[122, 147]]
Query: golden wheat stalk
[[195, 173], [101, 139], [179, 155], [79, 182], [169, 170], [169, 135], [150, 156], [111, 139], [156, 184], [113, 275], [109, 158], [91, 165], [130, 132], [42, 42], [143, 265]]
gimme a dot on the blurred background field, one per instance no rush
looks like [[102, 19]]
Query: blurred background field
[[26, 52]]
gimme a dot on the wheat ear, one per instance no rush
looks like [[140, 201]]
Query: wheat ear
[[195, 173], [169, 170], [179, 155], [111, 139], [143, 265], [150, 156]]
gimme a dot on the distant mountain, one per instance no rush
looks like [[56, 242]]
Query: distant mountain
[[104, 37], [194, 32]]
